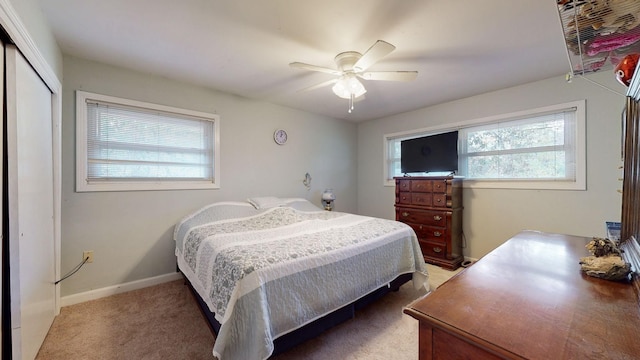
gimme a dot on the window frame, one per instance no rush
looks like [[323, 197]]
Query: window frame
[[580, 149], [82, 185]]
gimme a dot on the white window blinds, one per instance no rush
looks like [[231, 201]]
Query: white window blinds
[[128, 142], [137, 144], [539, 147]]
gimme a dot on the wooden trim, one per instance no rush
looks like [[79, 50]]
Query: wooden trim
[[428, 325]]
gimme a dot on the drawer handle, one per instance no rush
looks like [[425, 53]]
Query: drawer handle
[[437, 217], [438, 200], [420, 227], [404, 198], [437, 250], [405, 213], [437, 233]]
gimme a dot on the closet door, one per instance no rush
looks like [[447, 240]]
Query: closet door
[[31, 205], [5, 233]]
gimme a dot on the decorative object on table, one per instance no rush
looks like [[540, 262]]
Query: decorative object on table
[[605, 261], [280, 137], [307, 181], [327, 199]]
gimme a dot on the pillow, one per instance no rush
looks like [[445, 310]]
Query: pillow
[[301, 204], [265, 202]]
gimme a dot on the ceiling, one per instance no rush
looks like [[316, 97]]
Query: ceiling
[[244, 47]]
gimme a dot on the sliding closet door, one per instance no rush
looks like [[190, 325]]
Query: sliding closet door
[[5, 237], [31, 205]]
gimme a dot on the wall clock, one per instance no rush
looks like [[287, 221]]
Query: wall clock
[[280, 137]]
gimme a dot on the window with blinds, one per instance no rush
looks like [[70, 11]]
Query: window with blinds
[[534, 149], [130, 145], [538, 147]]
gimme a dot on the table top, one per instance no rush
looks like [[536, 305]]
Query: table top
[[529, 298]]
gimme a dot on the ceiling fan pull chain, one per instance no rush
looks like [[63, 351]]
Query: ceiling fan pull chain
[[351, 103]]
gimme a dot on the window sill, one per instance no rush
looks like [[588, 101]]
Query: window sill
[[146, 186], [517, 185]]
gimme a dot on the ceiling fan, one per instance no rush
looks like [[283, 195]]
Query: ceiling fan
[[352, 65]]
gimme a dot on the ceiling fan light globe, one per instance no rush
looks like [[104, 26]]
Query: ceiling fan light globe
[[348, 86]]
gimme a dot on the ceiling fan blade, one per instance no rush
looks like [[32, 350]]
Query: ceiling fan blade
[[317, 86], [389, 75], [299, 65], [376, 52]]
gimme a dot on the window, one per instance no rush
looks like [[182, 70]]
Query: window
[[536, 149], [129, 145]]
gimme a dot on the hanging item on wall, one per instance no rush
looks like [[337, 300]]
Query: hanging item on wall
[[280, 136], [307, 181], [599, 33]]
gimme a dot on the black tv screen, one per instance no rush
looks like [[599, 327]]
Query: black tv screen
[[430, 153]]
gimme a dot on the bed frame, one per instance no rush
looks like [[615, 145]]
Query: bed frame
[[313, 329]]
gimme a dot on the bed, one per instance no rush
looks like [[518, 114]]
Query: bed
[[268, 268]]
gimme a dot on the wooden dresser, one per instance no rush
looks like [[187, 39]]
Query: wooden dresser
[[528, 299], [432, 206]]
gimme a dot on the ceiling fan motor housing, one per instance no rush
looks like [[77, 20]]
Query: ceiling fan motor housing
[[346, 60]]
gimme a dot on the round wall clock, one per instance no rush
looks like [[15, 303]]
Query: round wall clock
[[280, 137]]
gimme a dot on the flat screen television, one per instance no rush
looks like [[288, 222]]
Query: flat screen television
[[434, 153]]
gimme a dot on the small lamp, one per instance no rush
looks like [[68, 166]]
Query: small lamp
[[327, 199]]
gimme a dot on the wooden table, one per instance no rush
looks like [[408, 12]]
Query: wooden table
[[528, 299]]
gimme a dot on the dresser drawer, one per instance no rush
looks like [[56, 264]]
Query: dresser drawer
[[404, 198], [434, 248], [425, 232], [439, 186], [403, 185], [421, 185], [426, 217], [440, 200], [422, 199]]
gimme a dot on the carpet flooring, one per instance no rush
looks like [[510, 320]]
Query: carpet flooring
[[164, 322]]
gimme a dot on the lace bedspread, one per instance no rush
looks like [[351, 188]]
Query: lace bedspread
[[264, 273]]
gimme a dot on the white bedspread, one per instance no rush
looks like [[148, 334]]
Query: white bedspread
[[267, 272]]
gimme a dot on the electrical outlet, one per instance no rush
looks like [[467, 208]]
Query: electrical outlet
[[89, 255]]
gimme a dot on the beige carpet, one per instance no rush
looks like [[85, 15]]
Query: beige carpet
[[163, 322]]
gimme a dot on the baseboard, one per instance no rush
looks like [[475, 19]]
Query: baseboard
[[117, 289]]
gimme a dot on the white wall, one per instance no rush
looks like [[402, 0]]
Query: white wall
[[35, 23], [131, 232], [491, 216]]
